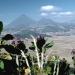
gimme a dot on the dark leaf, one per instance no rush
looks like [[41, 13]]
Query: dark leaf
[[26, 50], [1, 26], [49, 45], [8, 37], [40, 42], [29, 60], [32, 47], [21, 46], [10, 49]]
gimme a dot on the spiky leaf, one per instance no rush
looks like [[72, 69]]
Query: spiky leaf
[[40, 42], [49, 45]]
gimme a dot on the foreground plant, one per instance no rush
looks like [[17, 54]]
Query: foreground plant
[[1, 26], [40, 46]]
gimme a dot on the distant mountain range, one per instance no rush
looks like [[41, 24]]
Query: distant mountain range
[[24, 26]]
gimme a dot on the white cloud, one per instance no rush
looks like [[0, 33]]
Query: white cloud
[[56, 13], [54, 10], [49, 8], [67, 13]]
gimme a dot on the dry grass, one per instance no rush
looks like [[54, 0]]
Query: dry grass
[[63, 46]]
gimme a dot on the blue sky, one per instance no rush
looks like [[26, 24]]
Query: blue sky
[[57, 10]]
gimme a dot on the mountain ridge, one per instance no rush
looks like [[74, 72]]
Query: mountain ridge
[[24, 24]]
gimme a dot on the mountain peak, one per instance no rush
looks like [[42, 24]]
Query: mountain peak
[[22, 20]]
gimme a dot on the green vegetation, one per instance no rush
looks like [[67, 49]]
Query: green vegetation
[[1, 26]]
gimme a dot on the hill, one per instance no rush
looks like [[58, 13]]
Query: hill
[[24, 26]]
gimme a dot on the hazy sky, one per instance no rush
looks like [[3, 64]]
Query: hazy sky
[[59, 10]]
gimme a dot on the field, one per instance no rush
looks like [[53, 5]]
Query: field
[[63, 46]]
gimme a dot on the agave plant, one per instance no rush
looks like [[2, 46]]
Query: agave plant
[[40, 46]]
